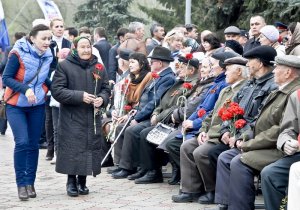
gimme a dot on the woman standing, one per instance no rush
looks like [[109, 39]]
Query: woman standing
[[80, 85], [293, 43], [24, 76]]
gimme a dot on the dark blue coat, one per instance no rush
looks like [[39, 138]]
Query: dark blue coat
[[208, 104], [149, 100], [112, 68], [103, 46]]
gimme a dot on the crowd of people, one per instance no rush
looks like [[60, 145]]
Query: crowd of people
[[221, 113]]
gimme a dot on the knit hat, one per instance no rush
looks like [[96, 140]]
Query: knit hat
[[270, 32]]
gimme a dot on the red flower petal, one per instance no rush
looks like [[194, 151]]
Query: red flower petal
[[189, 56], [201, 113], [187, 85], [154, 75], [240, 123], [99, 67], [127, 107]]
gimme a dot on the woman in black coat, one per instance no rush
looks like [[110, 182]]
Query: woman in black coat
[[81, 86]]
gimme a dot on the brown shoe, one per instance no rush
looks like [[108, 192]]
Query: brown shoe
[[22, 193], [31, 191]]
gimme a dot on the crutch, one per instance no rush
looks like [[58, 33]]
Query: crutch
[[130, 116]]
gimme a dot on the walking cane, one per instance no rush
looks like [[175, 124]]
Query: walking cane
[[130, 115]]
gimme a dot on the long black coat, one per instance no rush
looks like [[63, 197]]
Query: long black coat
[[79, 149]]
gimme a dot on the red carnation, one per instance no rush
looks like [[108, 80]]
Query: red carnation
[[189, 56], [240, 123], [226, 115], [221, 111], [235, 109], [154, 75], [127, 108], [126, 81], [99, 67], [299, 138], [187, 85], [201, 113]]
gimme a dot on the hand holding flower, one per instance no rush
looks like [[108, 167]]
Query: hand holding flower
[[98, 102], [88, 98]]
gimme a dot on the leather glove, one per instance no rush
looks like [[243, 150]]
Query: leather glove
[[290, 147]]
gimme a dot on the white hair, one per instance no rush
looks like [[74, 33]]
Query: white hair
[[134, 26]]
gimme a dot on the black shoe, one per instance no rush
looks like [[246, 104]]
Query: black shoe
[[82, 188], [49, 155], [153, 176], [207, 198], [185, 197], [113, 169], [72, 189], [175, 174], [31, 191], [22, 193], [3, 133], [43, 145], [137, 175], [122, 174]]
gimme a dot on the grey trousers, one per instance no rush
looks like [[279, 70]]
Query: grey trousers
[[194, 176], [274, 180], [235, 182]]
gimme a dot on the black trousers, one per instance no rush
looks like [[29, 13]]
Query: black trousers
[[150, 157], [130, 153], [214, 153], [173, 147], [49, 128]]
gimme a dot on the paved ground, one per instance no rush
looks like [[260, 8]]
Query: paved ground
[[105, 193]]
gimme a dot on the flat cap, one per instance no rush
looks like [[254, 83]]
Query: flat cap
[[264, 53], [288, 60], [236, 60], [124, 54], [193, 62], [232, 30]]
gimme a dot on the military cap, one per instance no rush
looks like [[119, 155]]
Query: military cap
[[288, 60], [232, 30], [124, 54], [281, 26], [265, 54], [236, 60], [193, 62]]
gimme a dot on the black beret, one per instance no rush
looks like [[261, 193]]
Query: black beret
[[235, 46], [193, 62], [264, 53], [222, 56], [124, 54]]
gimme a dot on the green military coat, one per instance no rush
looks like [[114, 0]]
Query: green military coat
[[261, 150]]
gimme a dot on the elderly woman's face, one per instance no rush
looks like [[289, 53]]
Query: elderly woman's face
[[84, 49], [134, 66]]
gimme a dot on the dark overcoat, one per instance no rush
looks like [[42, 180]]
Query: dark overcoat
[[79, 148]]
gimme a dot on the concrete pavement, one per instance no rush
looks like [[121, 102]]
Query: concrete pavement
[[105, 193]]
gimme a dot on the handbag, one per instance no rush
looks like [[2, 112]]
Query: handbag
[[159, 133], [4, 102]]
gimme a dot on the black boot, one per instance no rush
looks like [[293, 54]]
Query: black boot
[[82, 189], [175, 174], [72, 189]]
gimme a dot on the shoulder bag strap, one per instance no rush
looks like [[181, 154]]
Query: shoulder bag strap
[[35, 75]]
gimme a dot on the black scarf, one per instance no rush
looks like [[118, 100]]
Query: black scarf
[[142, 75]]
